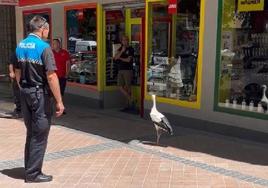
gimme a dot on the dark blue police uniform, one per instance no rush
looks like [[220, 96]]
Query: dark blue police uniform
[[35, 58]]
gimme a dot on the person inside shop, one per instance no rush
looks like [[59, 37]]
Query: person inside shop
[[124, 59], [16, 90], [62, 58]]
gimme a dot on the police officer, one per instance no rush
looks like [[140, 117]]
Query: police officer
[[35, 72]]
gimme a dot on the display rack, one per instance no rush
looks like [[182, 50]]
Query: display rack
[[83, 68]]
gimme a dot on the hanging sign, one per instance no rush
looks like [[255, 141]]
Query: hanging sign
[[80, 15], [9, 2], [172, 6], [250, 5]]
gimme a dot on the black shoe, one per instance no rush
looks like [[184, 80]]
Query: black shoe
[[39, 179], [16, 114]]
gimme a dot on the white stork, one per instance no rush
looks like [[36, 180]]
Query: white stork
[[160, 122], [264, 100]]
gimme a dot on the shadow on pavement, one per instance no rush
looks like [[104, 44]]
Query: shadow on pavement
[[125, 127], [151, 143], [227, 148], [116, 125], [15, 173]]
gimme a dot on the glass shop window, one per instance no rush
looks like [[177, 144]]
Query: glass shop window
[[243, 74], [81, 27], [173, 50]]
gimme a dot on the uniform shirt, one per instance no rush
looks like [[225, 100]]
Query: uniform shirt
[[61, 59], [129, 52], [35, 58]]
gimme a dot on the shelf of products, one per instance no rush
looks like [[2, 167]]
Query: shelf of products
[[244, 68], [167, 79], [173, 44], [81, 26], [251, 107], [83, 68]]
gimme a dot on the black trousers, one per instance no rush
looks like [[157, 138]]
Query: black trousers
[[36, 108], [16, 95], [62, 82]]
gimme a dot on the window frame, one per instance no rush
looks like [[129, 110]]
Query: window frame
[[195, 104], [97, 9], [217, 108]]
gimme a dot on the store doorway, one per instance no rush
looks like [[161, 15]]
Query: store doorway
[[129, 22], [7, 37]]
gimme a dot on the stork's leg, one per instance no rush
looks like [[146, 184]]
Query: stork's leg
[[158, 138], [158, 134]]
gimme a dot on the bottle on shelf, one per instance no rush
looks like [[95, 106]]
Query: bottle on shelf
[[234, 103], [251, 106], [260, 109], [244, 104], [227, 103]]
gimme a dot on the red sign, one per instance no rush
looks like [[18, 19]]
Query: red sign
[[36, 2], [172, 6], [9, 2]]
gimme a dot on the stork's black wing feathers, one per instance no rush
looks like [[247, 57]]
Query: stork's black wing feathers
[[264, 105], [164, 124], [167, 124]]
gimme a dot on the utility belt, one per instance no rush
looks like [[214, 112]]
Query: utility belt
[[39, 89]]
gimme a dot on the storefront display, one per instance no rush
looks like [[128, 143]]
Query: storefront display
[[173, 50], [82, 45], [244, 58], [205, 60]]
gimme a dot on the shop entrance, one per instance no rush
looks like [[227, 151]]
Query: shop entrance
[[129, 22], [7, 36]]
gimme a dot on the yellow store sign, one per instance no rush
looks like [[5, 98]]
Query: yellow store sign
[[250, 5]]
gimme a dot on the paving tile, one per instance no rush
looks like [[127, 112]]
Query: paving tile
[[86, 160]]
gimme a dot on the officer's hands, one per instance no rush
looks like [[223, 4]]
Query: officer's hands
[[59, 109]]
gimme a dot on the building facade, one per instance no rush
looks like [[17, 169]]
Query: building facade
[[205, 60]]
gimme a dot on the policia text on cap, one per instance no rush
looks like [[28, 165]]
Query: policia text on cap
[[35, 73]]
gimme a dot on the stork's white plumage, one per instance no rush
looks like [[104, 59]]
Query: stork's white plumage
[[264, 100], [161, 123]]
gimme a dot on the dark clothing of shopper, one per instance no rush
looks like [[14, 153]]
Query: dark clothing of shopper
[[124, 77], [128, 52], [124, 58]]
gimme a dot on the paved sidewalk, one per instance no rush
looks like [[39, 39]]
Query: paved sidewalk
[[106, 148]]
